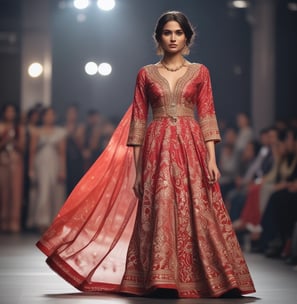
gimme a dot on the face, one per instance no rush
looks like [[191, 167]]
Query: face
[[272, 135], [10, 113], [242, 120], [264, 139], [72, 113], [227, 151], [173, 39], [249, 152], [34, 118], [49, 117], [94, 119], [230, 136], [289, 142]]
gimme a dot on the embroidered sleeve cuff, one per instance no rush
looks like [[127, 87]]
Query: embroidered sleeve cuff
[[136, 133], [209, 127]]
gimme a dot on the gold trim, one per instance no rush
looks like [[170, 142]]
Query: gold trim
[[173, 112]]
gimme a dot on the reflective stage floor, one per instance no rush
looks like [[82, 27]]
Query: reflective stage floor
[[25, 278]]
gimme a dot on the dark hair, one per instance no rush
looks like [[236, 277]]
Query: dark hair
[[73, 105], [31, 112], [181, 19], [44, 111], [92, 112], [9, 105]]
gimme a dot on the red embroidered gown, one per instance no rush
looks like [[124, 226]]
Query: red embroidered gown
[[179, 235]]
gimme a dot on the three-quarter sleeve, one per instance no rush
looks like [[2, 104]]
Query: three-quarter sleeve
[[139, 112], [205, 107]]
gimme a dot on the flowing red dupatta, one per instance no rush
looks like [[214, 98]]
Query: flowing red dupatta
[[88, 240]]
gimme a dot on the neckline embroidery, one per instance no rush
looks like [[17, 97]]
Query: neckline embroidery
[[182, 79]]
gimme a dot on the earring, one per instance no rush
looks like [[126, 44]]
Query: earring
[[160, 51], [186, 50]]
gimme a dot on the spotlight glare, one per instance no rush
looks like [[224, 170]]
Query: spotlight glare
[[104, 69], [91, 68], [106, 5], [240, 4], [35, 70], [81, 4]]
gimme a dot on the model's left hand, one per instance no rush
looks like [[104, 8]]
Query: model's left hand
[[213, 172]]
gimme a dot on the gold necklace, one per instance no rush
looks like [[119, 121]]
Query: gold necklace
[[172, 70]]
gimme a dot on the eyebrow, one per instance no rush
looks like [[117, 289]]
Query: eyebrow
[[176, 30]]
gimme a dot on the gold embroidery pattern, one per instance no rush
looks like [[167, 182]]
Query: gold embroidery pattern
[[209, 127], [183, 237], [137, 131], [179, 110]]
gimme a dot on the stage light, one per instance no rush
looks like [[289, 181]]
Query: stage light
[[91, 68], [240, 3], [35, 70], [292, 6], [106, 5], [81, 4], [104, 69]]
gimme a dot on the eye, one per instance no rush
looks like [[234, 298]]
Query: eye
[[166, 33], [179, 33]]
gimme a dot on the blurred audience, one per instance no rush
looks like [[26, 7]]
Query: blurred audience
[[41, 162], [11, 169], [47, 171], [92, 133], [74, 147], [281, 213], [31, 122], [54, 159], [244, 135], [262, 192]]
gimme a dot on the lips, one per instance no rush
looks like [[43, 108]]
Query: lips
[[172, 45]]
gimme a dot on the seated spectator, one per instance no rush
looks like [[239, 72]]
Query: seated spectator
[[248, 202], [245, 133], [227, 166], [281, 212]]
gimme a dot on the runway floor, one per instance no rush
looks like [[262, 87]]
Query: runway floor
[[26, 279]]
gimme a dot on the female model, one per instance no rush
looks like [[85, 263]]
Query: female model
[[182, 241]]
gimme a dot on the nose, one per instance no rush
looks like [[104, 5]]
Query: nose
[[173, 38]]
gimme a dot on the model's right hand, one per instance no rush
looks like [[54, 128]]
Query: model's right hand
[[138, 188]]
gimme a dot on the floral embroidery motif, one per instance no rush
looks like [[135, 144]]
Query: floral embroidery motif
[[183, 237]]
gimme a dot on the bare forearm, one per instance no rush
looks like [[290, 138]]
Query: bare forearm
[[213, 171], [210, 145], [137, 150]]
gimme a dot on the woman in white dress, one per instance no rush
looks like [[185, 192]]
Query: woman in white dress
[[47, 171]]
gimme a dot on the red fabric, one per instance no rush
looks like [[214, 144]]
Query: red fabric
[[251, 210], [183, 237], [88, 240]]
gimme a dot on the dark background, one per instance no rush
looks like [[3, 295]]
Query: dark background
[[123, 37]]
